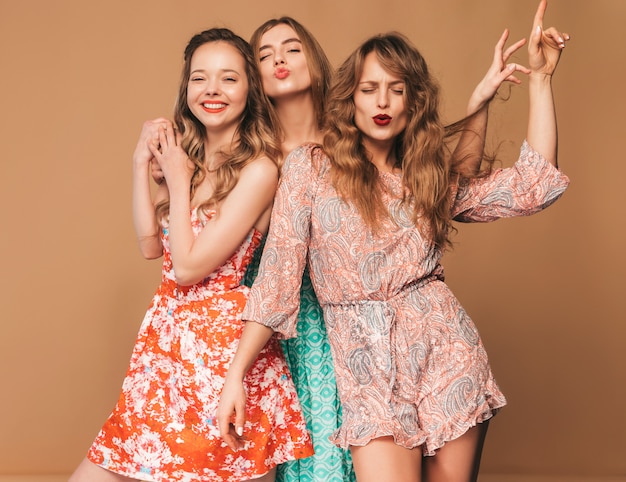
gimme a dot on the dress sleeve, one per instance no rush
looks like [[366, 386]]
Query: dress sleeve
[[274, 298], [529, 186]]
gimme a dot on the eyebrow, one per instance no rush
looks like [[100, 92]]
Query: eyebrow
[[224, 71], [374, 82], [289, 40]]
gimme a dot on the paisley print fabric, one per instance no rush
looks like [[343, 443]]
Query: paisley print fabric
[[163, 426], [408, 360], [311, 366]]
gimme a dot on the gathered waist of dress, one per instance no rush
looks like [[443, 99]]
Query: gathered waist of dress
[[401, 293], [206, 287]]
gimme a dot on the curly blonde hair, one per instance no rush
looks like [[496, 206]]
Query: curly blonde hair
[[255, 135], [421, 149]]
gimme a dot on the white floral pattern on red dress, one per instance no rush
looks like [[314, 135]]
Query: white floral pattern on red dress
[[163, 427]]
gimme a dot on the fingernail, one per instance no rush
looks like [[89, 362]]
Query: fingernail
[[240, 431]]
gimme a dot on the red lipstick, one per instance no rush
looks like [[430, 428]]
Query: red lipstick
[[382, 119], [213, 107]]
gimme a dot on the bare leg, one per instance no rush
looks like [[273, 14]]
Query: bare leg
[[269, 477], [89, 472], [381, 460], [459, 459]]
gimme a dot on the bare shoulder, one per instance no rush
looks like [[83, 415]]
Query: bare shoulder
[[260, 169]]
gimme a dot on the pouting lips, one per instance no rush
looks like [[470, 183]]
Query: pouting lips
[[382, 119], [281, 73]]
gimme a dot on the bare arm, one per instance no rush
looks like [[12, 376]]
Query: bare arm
[[469, 150], [233, 399], [144, 219], [194, 258], [544, 52]]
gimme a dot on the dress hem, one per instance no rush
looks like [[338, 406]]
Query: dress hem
[[146, 478], [428, 445]]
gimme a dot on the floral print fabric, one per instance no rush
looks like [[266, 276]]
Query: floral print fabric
[[408, 360], [163, 427]]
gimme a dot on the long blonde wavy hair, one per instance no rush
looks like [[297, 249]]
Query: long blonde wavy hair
[[421, 150], [255, 135]]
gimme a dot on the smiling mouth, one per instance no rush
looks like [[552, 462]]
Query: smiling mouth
[[382, 119], [213, 107]]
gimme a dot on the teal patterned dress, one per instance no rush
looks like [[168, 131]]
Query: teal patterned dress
[[311, 364]]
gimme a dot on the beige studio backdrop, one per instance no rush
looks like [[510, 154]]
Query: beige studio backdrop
[[79, 77]]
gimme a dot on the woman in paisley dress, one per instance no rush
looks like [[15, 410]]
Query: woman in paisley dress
[[220, 165], [296, 76], [371, 213]]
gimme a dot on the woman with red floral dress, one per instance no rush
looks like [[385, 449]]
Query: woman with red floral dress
[[219, 162]]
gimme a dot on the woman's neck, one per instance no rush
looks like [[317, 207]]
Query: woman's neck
[[382, 155], [298, 121], [216, 143]]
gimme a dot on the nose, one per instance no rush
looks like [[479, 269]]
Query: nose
[[278, 58], [382, 99], [212, 87]]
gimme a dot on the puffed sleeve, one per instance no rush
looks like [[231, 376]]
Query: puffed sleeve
[[529, 186], [274, 298]]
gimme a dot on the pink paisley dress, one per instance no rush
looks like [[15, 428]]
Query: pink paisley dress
[[408, 359], [163, 426]]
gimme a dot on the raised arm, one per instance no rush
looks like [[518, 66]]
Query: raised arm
[[144, 219], [469, 150], [544, 52], [250, 201]]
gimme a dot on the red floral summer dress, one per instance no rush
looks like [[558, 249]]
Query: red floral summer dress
[[163, 427]]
